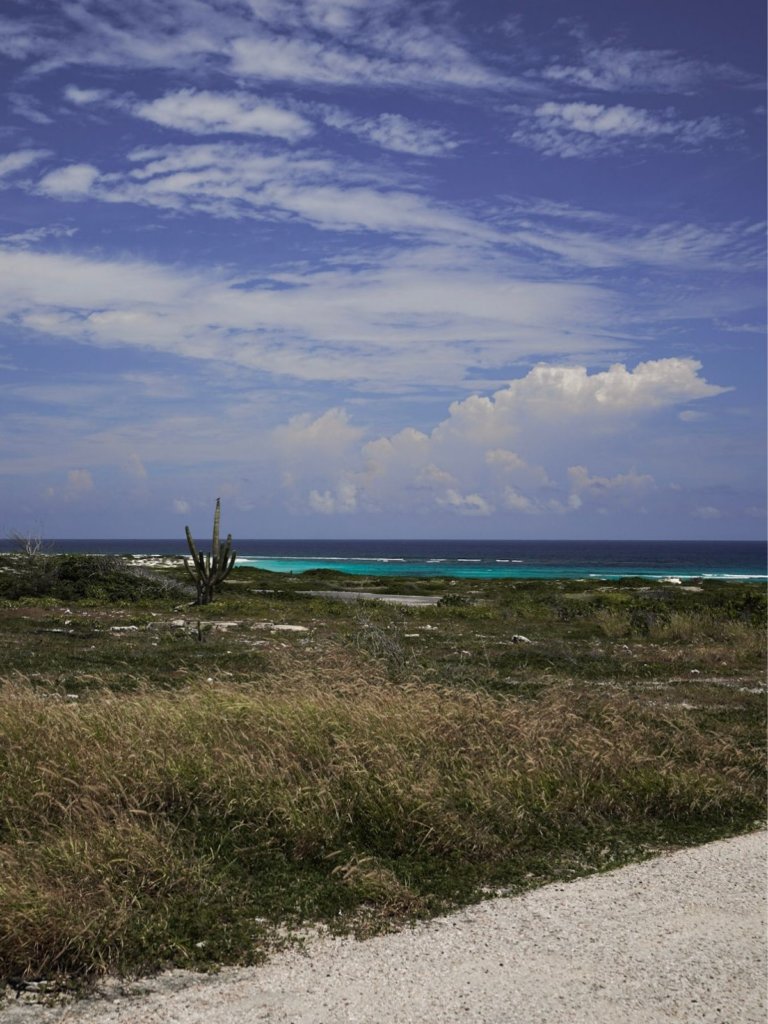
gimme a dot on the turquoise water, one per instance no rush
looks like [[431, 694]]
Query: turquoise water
[[485, 569], [476, 559]]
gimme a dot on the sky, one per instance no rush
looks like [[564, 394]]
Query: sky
[[464, 268]]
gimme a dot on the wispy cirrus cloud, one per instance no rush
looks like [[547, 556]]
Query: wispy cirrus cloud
[[20, 160], [395, 132], [233, 181], [84, 97], [675, 247], [611, 68], [202, 112], [398, 324], [344, 44], [577, 129], [408, 60]]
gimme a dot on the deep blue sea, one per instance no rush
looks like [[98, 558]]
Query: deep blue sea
[[481, 559]]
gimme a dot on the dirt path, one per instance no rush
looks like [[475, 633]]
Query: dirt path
[[680, 938]]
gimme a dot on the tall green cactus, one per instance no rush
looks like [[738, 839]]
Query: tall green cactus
[[210, 570]]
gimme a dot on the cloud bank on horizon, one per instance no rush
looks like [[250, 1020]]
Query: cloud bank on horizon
[[382, 269]]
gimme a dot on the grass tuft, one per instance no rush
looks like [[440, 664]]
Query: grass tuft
[[184, 827]]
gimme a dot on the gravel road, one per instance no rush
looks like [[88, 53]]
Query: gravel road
[[679, 938]]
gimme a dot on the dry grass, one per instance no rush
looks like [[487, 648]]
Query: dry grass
[[134, 827]]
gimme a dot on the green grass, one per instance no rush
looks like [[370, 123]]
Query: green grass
[[192, 790]]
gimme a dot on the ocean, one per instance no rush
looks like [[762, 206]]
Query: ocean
[[477, 559]]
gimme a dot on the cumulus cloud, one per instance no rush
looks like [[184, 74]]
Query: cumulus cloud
[[465, 504], [550, 393], [464, 464], [342, 500], [79, 483], [209, 113], [311, 438]]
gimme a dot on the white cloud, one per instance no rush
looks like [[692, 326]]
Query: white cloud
[[518, 502], [552, 393], [84, 97], [72, 182], [618, 69], [342, 500], [135, 467], [388, 44], [630, 483], [465, 504], [12, 163], [208, 113], [412, 59], [181, 507], [34, 235], [79, 483], [231, 181], [577, 129], [464, 465], [227, 180], [28, 107], [18, 39], [309, 439], [401, 323], [395, 132], [731, 248], [707, 512]]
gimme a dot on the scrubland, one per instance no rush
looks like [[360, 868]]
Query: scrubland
[[194, 786]]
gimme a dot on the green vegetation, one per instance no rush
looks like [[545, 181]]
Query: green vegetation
[[189, 785], [210, 570]]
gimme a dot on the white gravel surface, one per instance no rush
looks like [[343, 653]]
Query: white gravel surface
[[679, 938]]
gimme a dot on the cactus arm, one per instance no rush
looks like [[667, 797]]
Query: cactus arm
[[210, 569], [192, 548], [216, 521]]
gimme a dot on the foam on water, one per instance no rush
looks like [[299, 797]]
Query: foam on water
[[738, 561], [476, 568]]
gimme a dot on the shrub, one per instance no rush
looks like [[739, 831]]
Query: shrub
[[75, 577]]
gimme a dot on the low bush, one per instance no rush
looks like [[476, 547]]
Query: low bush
[[83, 577], [151, 828]]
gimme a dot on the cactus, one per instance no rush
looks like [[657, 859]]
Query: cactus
[[210, 570]]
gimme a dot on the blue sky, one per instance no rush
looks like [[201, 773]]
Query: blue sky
[[382, 269]]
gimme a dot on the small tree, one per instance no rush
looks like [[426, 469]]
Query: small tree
[[30, 544], [210, 570]]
